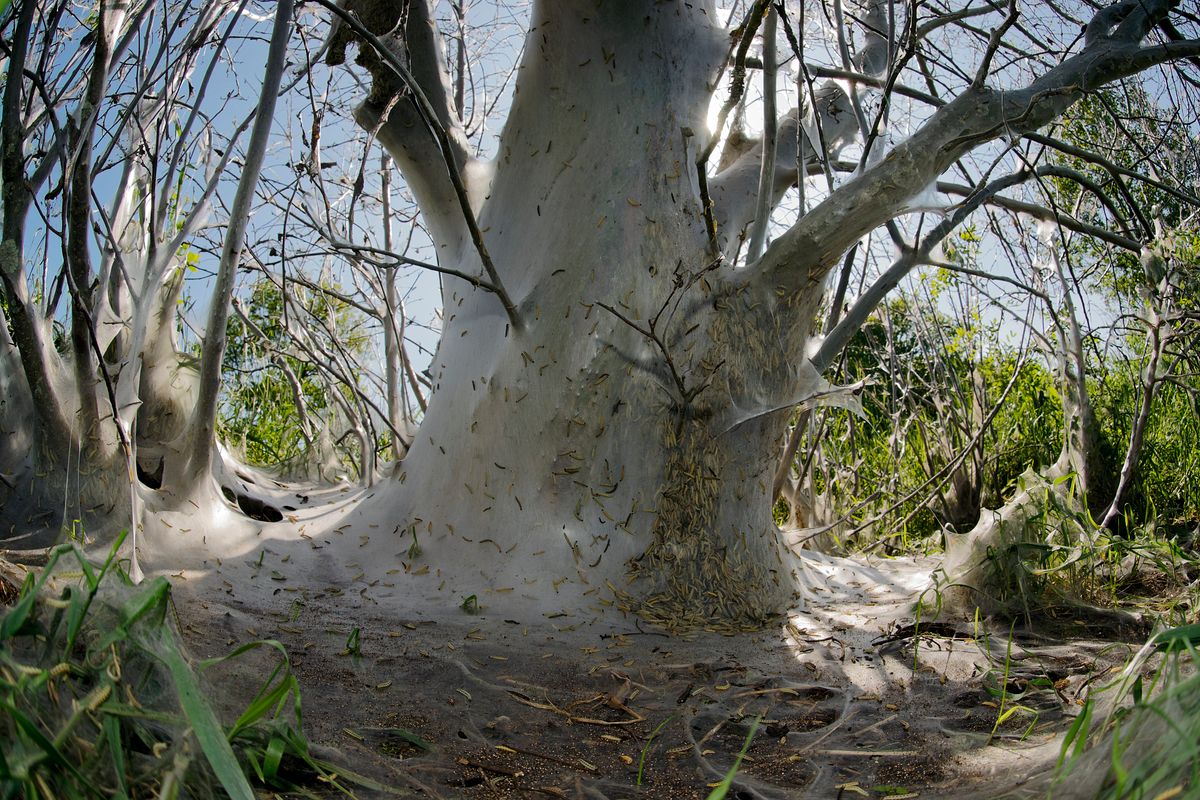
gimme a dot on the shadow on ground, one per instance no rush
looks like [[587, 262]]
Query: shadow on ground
[[851, 697]]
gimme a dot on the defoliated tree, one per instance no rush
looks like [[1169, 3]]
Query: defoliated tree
[[613, 383]]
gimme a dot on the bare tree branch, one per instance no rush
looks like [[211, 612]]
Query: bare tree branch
[[38, 361], [436, 119], [801, 258], [204, 415]]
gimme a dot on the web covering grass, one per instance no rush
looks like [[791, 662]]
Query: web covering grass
[[99, 699], [1148, 745]]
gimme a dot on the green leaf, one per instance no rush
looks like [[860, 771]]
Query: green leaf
[[273, 757], [112, 732], [79, 602], [153, 598], [14, 620], [1010, 711], [354, 643], [207, 729], [646, 748], [1180, 638], [271, 695], [722, 788]]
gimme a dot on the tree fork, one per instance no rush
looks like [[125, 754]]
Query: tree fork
[[429, 116]]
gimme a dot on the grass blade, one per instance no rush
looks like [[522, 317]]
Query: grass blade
[[1177, 638], [1077, 735], [52, 753], [722, 788], [271, 695], [207, 729], [646, 749], [15, 619], [112, 732]]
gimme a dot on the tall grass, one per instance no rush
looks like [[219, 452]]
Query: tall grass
[[1148, 745], [98, 699]]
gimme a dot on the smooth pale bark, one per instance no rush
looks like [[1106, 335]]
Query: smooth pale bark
[[770, 142], [570, 446], [78, 178], [392, 115], [393, 329], [747, 190]]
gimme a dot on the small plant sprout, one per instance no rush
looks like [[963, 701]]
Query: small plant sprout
[[720, 791], [646, 747], [414, 549], [1002, 713], [353, 643]]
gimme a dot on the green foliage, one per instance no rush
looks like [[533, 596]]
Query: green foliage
[[470, 604], [1166, 485], [1054, 556], [99, 700], [1125, 127], [354, 642], [1149, 746], [1009, 703], [259, 405], [920, 407], [936, 372]]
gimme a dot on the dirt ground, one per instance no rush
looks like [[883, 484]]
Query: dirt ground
[[510, 696], [851, 697]]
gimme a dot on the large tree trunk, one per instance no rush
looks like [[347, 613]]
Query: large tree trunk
[[608, 439]]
